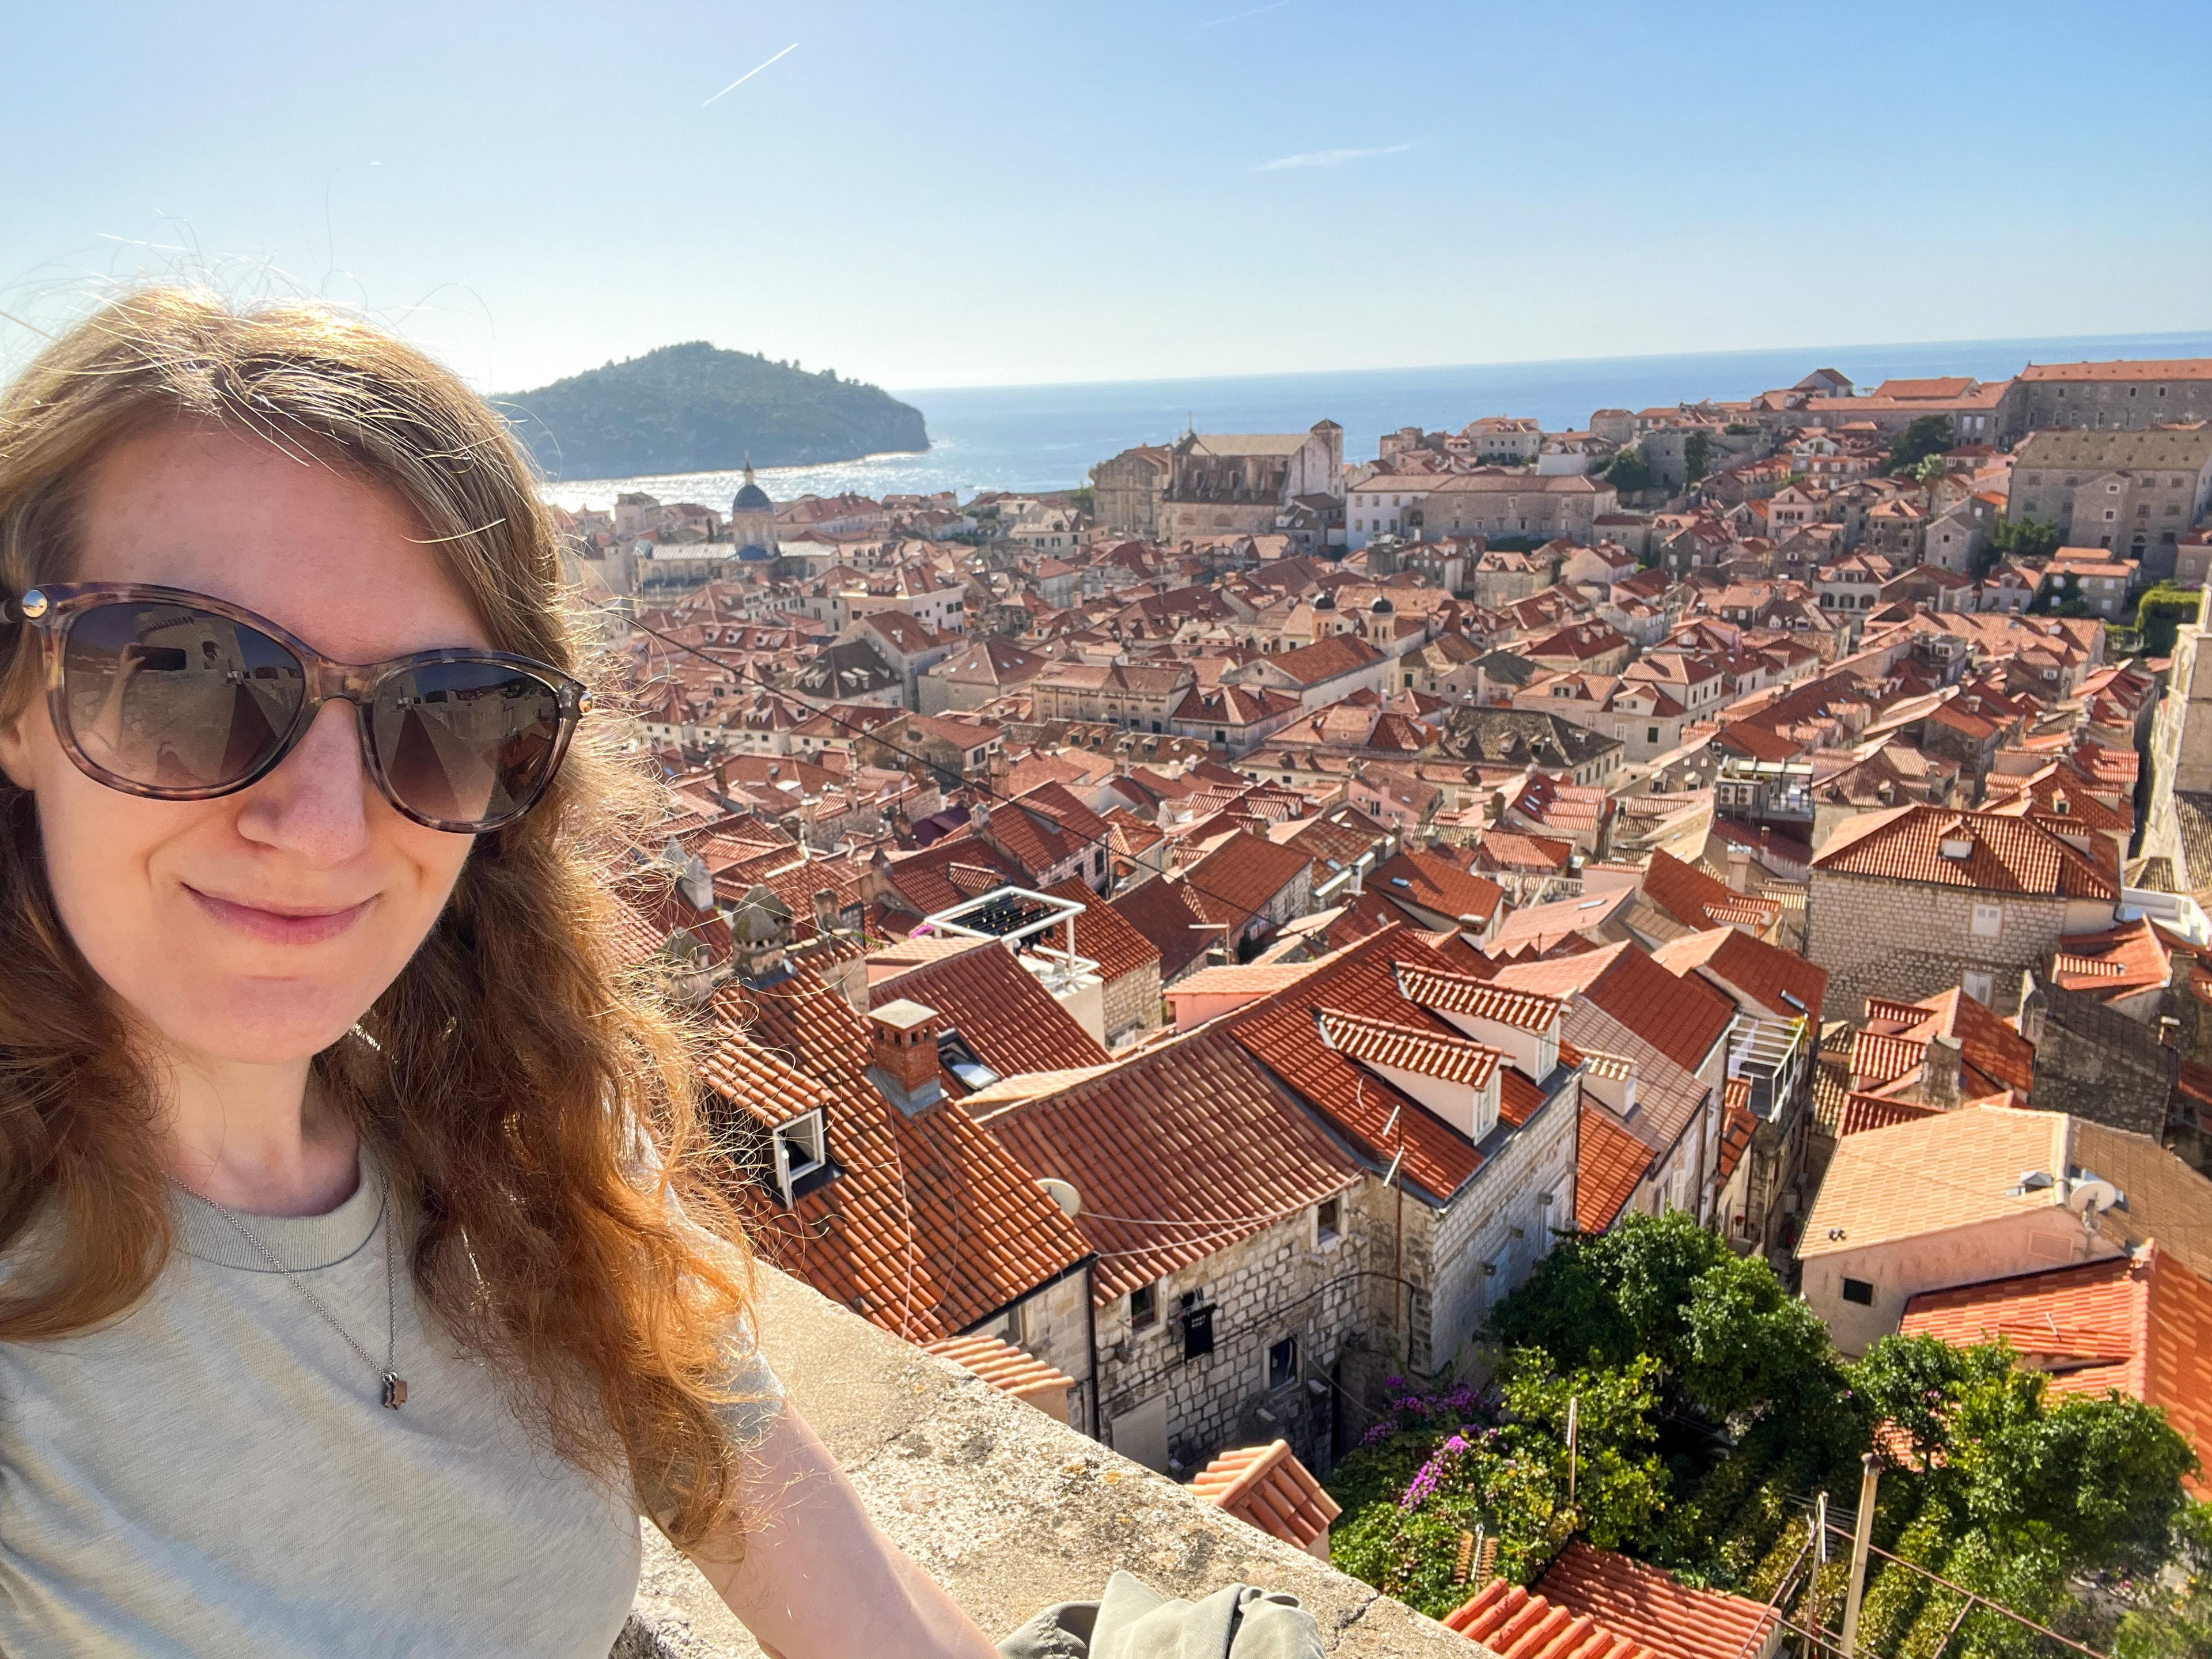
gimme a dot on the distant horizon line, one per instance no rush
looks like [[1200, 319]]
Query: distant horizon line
[[2204, 334]]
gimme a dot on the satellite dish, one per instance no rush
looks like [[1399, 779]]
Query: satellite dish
[[1062, 1193], [2090, 1197]]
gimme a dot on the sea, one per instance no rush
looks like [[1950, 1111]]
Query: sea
[[1048, 437]]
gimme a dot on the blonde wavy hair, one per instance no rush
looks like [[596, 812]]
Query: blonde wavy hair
[[509, 1067]]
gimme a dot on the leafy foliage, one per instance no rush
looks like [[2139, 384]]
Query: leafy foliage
[[2026, 538], [1928, 434], [2160, 612], [1627, 472], [2174, 1620], [1697, 455]]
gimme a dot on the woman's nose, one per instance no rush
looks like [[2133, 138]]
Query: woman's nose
[[315, 803]]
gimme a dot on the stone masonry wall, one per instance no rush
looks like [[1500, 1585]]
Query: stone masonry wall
[[1132, 1003], [1908, 940], [1278, 1282]]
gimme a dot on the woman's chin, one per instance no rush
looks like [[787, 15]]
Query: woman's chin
[[259, 1028]]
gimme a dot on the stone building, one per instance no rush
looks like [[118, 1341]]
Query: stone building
[[2123, 395], [1125, 491], [1240, 484], [2136, 492], [1913, 901], [1425, 507]]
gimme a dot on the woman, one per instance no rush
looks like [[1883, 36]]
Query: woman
[[355, 1292]]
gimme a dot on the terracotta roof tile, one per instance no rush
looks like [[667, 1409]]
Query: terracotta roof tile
[[1425, 1051], [1007, 1369], [1268, 1486], [1683, 1019], [1975, 1154], [1609, 1163], [1513, 1623], [1766, 973], [1162, 911], [2140, 1323], [1477, 999], [1646, 1605], [1698, 900], [1145, 1142], [1438, 885], [1011, 1021], [1102, 934], [930, 1224], [2001, 854]]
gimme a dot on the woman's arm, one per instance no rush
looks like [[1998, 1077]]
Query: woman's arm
[[812, 1578]]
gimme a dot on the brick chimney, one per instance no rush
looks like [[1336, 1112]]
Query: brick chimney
[[902, 1055], [1940, 1084]]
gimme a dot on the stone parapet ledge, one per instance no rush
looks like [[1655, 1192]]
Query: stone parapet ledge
[[1009, 1510]]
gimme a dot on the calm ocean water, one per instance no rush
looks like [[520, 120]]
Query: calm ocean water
[[1046, 437]]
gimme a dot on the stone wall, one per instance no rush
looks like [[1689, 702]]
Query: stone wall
[[2097, 1064], [1909, 941], [1009, 1510], [1133, 1004], [1278, 1283]]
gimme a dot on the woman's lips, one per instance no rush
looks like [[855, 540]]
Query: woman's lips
[[280, 926]]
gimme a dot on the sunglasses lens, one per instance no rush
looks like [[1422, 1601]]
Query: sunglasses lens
[[467, 743], [169, 697]]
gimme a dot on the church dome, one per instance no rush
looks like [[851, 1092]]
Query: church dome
[[752, 498], [1382, 608]]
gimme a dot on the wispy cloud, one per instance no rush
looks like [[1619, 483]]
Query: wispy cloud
[[751, 72], [1328, 158], [1238, 16]]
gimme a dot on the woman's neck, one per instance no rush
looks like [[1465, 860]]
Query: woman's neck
[[256, 1138]]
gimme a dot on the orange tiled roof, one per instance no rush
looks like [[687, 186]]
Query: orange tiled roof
[[1513, 1624], [2002, 854], [2140, 1323], [1766, 973], [1268, 1486], [1145, 1143], [1438, 885], [930, 1224], [1012, 1022], [1102, 934], [1426, 1053], [1281, 1032], [1609, 1162], [1477, 999], [1001, 1365], [1697, 900], [1646, 1605], [1735, 1132], [1862, 1112], [1682, 1019]]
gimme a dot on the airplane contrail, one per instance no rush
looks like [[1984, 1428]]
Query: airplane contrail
[[751, 72]]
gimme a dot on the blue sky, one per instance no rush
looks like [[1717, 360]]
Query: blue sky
[[978, 194]]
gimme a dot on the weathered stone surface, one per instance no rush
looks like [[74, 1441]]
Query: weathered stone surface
[[1009, 1510]]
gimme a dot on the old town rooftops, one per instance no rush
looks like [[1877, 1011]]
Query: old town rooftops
[[1992, 852]]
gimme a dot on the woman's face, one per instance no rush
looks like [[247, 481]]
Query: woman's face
[[258, 927]]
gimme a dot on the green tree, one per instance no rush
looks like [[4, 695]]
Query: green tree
[[1928, 434], [1620, 1483], [1627, 472], [2160, 612], [2026, 538], [2174, 1620], [1930, 472], [1697, 455], [1910, 1382], [1749, 1340]]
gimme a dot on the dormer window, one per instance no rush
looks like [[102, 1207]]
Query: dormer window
[[802, 1150]]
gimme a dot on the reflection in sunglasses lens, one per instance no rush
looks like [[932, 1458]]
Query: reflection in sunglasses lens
[[172, 698], [466, 741]]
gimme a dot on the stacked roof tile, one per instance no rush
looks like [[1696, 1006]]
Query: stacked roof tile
[[1991, 851], [1268, 1488], [1425, 1051], [1010, 1020]]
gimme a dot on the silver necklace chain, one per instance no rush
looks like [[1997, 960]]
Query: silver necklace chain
[[395, 1386]]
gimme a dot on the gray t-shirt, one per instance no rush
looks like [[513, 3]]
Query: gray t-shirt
[[213, 1474]]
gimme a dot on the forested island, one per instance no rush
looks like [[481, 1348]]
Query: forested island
[[692, 408]]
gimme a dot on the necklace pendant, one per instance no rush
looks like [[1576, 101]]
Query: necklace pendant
[[395, 1390]]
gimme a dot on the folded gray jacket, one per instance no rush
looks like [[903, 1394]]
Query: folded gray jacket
[[1133, 1622]]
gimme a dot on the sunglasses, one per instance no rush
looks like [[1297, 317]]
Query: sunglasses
[[173, 696]]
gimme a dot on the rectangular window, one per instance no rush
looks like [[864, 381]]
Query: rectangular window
[[1328, 1216], [1144, 1307], [1197, 1329], [1283, 1363], [1858, 1291], [800, 1152], [1989, 919]]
